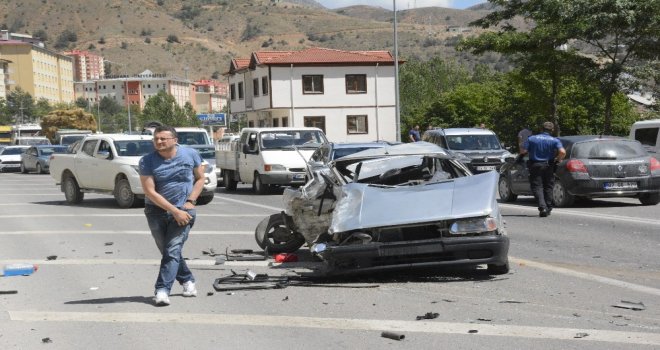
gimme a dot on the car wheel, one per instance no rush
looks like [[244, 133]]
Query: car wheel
[[494, 269], [39, 169], [560, 195], [273, 235], [23, 168], [258, 186], [649, 198], [505, 190], [124, 195], [205, 200], [71, 190], [228, 180]]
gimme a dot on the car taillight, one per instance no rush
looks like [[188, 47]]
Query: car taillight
[[576, 166], [655, 164]]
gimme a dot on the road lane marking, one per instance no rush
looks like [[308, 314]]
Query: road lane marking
[[249, 203], [587, 276], [636, 220], [102, 232], [532, 332], [119, 215]]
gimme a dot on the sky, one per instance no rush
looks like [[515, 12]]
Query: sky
[[402, 4]]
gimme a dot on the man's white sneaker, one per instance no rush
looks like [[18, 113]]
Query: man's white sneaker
[[189, 289], [162, 299]]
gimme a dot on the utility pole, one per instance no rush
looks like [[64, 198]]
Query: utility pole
[[396, 78]]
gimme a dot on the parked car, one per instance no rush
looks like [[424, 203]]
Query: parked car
[[332, 150], [37, 158], [478, 148], [403, 206], [595, 167], [648, 133], [10, 158]]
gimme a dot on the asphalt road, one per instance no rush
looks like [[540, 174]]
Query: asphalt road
[[567, 272]]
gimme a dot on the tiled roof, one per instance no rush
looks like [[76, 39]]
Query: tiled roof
[[240, 63], [317, 55]]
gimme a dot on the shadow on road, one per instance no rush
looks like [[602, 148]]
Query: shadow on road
[[100, 203], [135, 299]]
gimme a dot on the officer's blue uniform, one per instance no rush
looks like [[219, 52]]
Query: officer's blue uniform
[[542, 149]]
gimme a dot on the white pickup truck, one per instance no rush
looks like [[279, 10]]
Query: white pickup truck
[[267, 157], [108, 163]]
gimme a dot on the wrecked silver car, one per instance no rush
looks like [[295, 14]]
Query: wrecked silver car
[[397, 207]]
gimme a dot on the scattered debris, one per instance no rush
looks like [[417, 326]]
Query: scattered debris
[[209, 294], [242, 251], [473, 331], [93, 288], [8, 292], [249, 280], [220, 260], [512, 302], [484, 319], [108, 252], [46, 340], [286, 257], [51, 257], [392, 335], [109, 243], [286, 298], [211, 252], [428, 316], [581, 335], [576, 314], [632, 305]]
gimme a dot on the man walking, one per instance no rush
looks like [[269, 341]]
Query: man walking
[[413, 134], [172, 178], [545, 152]]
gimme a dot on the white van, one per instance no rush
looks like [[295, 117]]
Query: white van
[[646, 132]]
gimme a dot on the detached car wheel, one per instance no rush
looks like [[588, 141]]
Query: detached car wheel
[[273, 235], [506, 195], [560, 195], [71, 190], [124, 195], [649, 198]]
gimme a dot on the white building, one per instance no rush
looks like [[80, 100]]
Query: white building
[[350, 95]]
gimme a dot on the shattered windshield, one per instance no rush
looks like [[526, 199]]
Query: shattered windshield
[[473, 142], [402, 170], [288, 139]]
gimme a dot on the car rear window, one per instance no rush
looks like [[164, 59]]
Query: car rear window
[[608, 149]]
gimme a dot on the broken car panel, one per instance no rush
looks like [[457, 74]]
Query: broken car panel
[[401, 206]]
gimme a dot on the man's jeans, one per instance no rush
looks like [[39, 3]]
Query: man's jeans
[[542, 181], [169, 237]]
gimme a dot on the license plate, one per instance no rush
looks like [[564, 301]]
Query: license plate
[[620, 185], [298, 176], [486, 167]]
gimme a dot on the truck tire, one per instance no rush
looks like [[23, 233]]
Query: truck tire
[[273, 235], [258, 186], [228, 180], [124, 195], [71, 190]]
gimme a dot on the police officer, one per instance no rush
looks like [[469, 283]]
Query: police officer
[[544, 152]]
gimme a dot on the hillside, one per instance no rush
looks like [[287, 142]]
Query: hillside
[[199, 37]]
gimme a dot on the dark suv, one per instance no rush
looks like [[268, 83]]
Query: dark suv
[[479, 149]]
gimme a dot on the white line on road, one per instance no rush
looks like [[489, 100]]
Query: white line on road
[[595, 335], [118, 215], [636, 220], [249, 203], [117, 232], [587, 276]]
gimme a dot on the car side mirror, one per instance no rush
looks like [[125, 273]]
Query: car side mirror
[[103, 154], [247, 150]]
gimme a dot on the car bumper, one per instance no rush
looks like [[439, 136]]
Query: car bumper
[[10, 167], [596, 188], [285, 178], [371, 257]]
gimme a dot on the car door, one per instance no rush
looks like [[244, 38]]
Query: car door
[[30, 158], [519, 176], [86, 165], [105, 178], [249, 162]]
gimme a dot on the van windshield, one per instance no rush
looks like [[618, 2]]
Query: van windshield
[[192, 138], [290, 138], [473, 142]]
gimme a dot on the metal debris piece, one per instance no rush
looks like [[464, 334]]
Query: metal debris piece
[[109, 243], [473, 331], [392, 335], [632, 305], [8, 292], [576, 314], [244, 255], [220, 260], [46, 340], [51, 257], [209, 293], [484, 319], [286, 298], [581, 335], [512, 302], [428, 316], [249, 281], [242, 251], [211, 252], [108, 252]]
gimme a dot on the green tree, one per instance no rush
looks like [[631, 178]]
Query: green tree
[[75, 118], [20, 106], [43, 107], [82, 102], [162, 107], [5, 117]]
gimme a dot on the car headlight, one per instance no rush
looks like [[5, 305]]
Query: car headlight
[[274, 167], [473, 225]]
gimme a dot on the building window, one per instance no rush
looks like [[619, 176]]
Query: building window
[[357, 124], [285, 122], [264, 86], [232, 92], [315, 122], [149, 86], [356, 83], [312, 84], [240, 91], [113, 87], [255, 87], [251, 124], [276, 122]]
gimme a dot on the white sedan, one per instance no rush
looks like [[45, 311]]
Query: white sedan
[[10, 158]]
